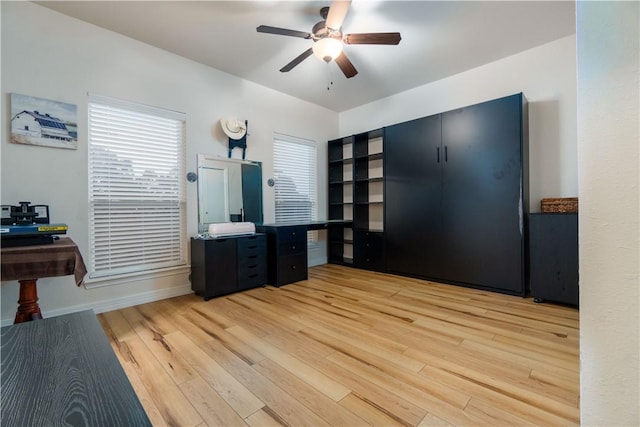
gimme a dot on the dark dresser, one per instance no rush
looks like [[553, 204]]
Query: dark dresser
[[287, 253], [229, 264], [553, 257]]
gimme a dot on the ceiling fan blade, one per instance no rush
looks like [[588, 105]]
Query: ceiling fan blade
[[346, 66], [282, 32], [304, 55], [372, 38], [337, 13]]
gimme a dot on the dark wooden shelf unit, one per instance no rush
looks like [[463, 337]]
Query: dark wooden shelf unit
[[368, 197], [341, 197]]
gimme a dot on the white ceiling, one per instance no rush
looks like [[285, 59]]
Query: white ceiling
[[439, 39]]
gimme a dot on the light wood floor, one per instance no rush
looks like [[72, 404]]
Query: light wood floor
[[351, 348]]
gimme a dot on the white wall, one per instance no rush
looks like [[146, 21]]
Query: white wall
[[50, 55], [547, 77], [608, 37]]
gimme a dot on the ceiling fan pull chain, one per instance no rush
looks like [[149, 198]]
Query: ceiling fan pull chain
[[329, 78]]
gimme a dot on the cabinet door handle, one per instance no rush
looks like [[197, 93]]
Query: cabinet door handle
[[438, 154], [446, 154], [293, 267]]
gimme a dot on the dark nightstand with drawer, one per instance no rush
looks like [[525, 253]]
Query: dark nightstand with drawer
[[229, 264], [553, 257], [368, 250], [287, 253]]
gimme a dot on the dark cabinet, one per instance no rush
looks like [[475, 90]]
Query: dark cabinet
[[413, 187], [455, 187], [553, 257], [287, 253], [224, 265], [368, 250]]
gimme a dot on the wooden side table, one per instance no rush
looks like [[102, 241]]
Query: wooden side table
[[27, 264]]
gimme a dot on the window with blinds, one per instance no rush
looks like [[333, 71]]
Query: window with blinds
[[136, 190], [295, 170]]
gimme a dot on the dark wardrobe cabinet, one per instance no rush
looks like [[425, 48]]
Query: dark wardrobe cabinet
[[455, 186]]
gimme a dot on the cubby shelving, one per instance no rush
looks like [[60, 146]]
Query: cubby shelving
[[341, 184], [356, 192]]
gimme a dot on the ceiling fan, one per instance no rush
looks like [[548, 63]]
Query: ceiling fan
[[329, 40]]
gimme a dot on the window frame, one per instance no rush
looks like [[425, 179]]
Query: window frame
[[171, 200], [287, 139]]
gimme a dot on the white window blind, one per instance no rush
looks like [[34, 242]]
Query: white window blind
[[295, 170], [136, 190]]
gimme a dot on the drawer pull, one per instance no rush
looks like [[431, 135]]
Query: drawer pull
[[251, 276], [252, 266], [253, 256], [293, 246], [252, 247], [293, 267], [293, 233]]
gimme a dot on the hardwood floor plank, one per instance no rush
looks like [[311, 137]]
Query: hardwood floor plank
[[266, 309], [504, 355], [491, 416], [387, 402], [317, 402], [175, 408], [212, 408], [323, 383], [344, 340], [119, 325], [408, 386], [214, 331], [265, 418], [352, 347], [148, 331], [431, 420], [501, 398], [242, 400], [280, 405], [299, 345], [237, 316], [369, 411]]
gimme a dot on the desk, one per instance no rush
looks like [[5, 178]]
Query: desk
[[287, 248], [27, 264], [62, 371]]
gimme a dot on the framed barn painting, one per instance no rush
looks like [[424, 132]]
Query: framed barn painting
[[38, 121]]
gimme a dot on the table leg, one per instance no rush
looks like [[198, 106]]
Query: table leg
[[28, 308]]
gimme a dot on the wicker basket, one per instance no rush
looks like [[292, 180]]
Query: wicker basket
[[559, 205]]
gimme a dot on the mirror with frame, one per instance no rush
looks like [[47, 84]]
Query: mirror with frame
[[229, 190]]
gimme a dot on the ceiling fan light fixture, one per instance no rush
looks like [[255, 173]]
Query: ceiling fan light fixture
[[327, 49]]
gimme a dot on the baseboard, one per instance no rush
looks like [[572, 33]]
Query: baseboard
[[117, 303]]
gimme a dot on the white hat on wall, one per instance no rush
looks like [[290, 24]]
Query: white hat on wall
[[234, 128]]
